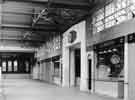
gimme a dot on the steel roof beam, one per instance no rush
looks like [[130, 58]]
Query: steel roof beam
[[47, 29], [76, 4], [19, 39]]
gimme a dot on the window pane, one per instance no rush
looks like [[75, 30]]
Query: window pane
[[27, 66], [109, 23], [132, 8], [4, 66], [15, 66], [131, 1], [109, 9], [100, 15], [118, 5], [56, 69], [124, 3], [9, 66]]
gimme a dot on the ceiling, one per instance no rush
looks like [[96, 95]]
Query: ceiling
[[32, 21]]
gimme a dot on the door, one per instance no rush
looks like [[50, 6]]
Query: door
[[89, 65]]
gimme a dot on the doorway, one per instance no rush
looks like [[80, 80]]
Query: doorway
[[89, 66], [77, 67]]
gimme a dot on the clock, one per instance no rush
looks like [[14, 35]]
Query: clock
[[115, 59]]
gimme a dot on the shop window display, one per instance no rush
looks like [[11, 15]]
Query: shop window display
[[56, 69], [110, 62]]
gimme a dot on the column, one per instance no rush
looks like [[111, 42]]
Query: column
[[1, 3], [129, 81], [39, 70], [93, 61], [0, 79], [72, 68], [126, 71], [61, 71], [84, 61], [52, 72], [1, 32], [65, 61]]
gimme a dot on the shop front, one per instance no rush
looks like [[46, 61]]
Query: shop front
[[57, 70], [49, 70], [109, 67]]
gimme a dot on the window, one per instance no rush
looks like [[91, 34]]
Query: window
[[113, 13], [15, 66], [10, 66], [56, 69], [110, 60], [4, 66], [99, 21], [110, 64], [110, 9], [27, 66], [109, 15]]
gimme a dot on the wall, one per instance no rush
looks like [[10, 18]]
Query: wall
[[68, 66], [51, 48], [44, 68], [68, 54], [119, 30], [79, 32], [16, 76]]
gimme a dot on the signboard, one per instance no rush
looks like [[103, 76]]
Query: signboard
[[72, 36], [109, 43], [131, 38]]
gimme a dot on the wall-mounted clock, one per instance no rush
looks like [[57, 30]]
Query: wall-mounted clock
[[115, 59]]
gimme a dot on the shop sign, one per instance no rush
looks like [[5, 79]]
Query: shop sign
[[72, 36], [109, 43], [131, 38]]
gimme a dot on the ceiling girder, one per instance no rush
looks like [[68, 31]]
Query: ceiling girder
[[71, 2], [30, 38], [76, 4], [49, 29], [20, 39], [36, 19], [18, 13]]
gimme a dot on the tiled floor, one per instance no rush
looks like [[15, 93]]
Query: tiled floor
[[20, 89]]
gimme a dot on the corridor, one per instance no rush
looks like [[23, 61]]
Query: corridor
[[24, 89]]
